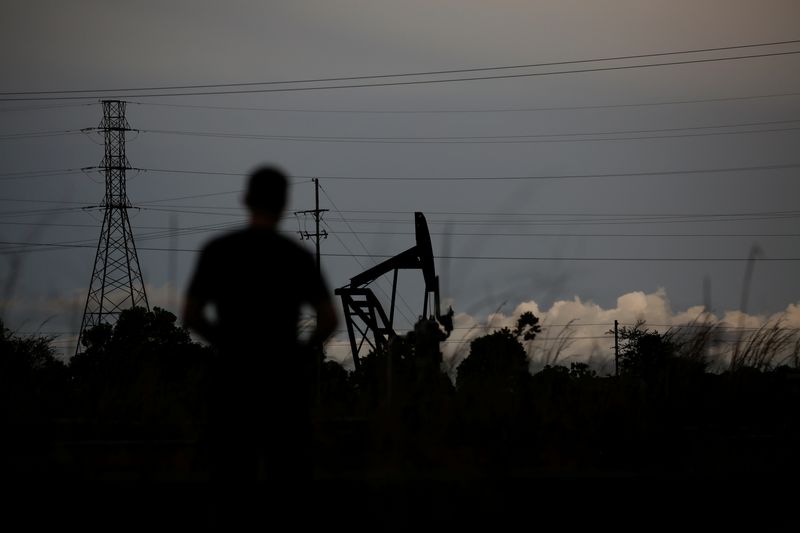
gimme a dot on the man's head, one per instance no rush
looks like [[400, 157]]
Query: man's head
[[266, 190]]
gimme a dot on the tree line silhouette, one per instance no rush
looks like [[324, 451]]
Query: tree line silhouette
[[133, 405]]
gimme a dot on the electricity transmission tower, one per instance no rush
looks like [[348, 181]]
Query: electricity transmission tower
[[116, 282]]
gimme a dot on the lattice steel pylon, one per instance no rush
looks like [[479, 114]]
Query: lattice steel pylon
[[117, 282]]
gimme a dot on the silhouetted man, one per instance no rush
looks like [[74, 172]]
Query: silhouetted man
[[256, 281]]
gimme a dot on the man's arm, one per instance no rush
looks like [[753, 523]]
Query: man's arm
[[195, 319], [326, 323]]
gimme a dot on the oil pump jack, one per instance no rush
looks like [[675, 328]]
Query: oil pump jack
[[363, 313]]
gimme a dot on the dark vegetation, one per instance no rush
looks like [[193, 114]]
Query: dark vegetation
[[132, 406]]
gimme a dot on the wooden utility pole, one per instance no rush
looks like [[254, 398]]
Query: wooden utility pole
[[616, 348], [317, 214], [317, 236]]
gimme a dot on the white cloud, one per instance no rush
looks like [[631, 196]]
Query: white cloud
[[579, 331]]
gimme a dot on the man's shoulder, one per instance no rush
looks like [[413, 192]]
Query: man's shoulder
[[291, 247], [248, 238], [223, 241]]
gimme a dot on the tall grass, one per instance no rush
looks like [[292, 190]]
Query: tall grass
[[762, 349], [767, 347], [695, 341], [549, 351]]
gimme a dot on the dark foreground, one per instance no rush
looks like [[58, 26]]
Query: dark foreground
[[70, 475]]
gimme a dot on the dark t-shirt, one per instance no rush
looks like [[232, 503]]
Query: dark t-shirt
[[257, 280], [258, 385]]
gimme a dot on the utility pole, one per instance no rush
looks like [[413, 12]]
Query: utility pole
[[317, 214], [116, 282], [316, 236], [172, 265], [616, 348]]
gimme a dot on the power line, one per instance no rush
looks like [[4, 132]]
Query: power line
[[614, 259], [193, 196], [51, 224], [35, 134], [398, 83], [485, 222], [562, 214], [461, 257], [163, 234], [44, 107], [504, 140], [530, 177], [38, 174], [658, 219], [192, 212], [237, 208], [226, 225], [569, 339], [467, 111], [400, 296], [662, 220], [34, 212], [497, 139], [407, 74], [598, 216], [561, 235], [94, 226], [595, 217], [198, 172], [361, 265], [306, 179], [38, 201], [544, 327]]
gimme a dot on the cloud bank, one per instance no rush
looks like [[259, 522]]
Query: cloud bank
[[582, 331]]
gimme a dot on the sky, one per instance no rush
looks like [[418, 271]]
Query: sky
[[593, 184]]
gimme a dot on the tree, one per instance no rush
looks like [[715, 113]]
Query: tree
[[408, 370], [32, 378], [496, 364], [25, 355], [143, 368], [493, 390], [642, 352], [581, 371], [527, 326]]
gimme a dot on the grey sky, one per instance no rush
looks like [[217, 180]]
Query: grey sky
[[85, 44]]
